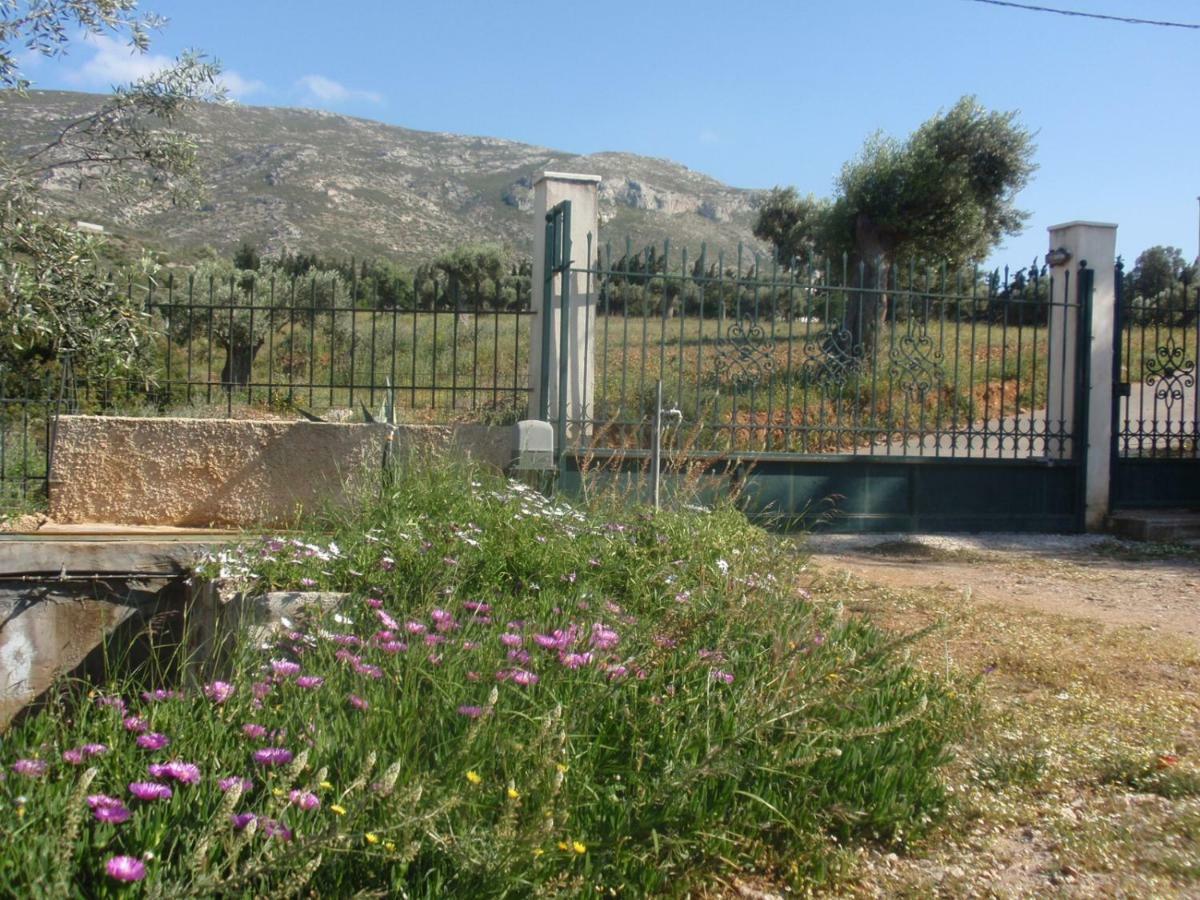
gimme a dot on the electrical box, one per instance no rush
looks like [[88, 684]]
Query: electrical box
[[533, 446]]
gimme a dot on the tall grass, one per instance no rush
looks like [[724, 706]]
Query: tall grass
[[515, 697]]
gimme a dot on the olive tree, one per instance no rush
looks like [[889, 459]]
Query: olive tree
[[52, 298], [945, 194]]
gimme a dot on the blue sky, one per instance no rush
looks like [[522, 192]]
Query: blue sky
[[753, 93]]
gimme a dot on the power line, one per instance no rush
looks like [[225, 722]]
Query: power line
[[1087, 15]]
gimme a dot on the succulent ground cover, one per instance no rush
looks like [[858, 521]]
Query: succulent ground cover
[[517, 697]]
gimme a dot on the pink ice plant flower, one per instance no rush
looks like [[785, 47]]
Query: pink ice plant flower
[[154, 740], [219, 691], [113, 702], [30, 768], [149, 790], [309, 682], [306, 800], [273, 756], [107, 809], [160, 695], [228, 784], [603, 637], [393, 646], [721, 675], [125, 868], [135, 723], [471, 712], [74, 757], [184, 773], [254, 731], [357, 702], [511, 640], [284, 668]]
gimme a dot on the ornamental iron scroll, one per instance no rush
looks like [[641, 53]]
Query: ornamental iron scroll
[[830, 360], [916, 366], [1169, 372], [746, 351]]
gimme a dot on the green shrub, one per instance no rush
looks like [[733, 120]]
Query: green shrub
[[690, 715]]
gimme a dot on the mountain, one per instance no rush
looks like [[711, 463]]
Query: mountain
[[308, 180]]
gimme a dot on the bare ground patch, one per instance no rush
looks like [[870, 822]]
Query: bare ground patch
[[1082, 776]]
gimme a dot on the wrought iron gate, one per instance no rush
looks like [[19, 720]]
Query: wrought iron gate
[[906, 397], [1156, 406]]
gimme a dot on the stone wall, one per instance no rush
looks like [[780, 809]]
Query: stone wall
[[226, 473]]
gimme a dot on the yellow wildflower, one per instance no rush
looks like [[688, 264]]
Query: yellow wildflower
[[562, 768], [513, 793], [538, 851], [326, 786], [372, 837], [337, 809], [578, 847], [474, 777], [562, 845], [390, 846], [278, 792]]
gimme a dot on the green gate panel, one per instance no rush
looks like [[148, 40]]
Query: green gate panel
[[868, 494], [1156, 483]]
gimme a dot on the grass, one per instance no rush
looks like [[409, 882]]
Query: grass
[[1079, 775], [518, 698]]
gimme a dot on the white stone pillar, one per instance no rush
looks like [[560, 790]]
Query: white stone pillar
[[550, 189], [1096, 244]]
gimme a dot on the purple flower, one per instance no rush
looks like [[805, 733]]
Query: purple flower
[[113, 814], [357, 702], [272, 828], [575, 660], [511, 640], [152, 741], [94, 749], [219, 691], [432, 640], [125, 868], [95, 801], [228, 784], [524, 678], [160, 695], [476, 607], [135, 723], [307, 582], [149, 790], [74, 757], [31, 768], [284, 668], [415, 627], [273, 756], [471, 712], [470, 645], [306, 800], [721, 675], [386, 621], [260, 689], [393, 647], [374, 602], [113, 702], [603, 637], [254, 732], [369, 671], [241, 820], [184, 773], [520, 656], [310, 682]]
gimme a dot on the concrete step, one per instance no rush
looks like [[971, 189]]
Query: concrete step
[[1168, 526]]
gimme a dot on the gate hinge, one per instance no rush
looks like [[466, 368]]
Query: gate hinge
[[1122, 388]]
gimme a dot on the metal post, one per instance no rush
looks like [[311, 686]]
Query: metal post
[[656, 445]]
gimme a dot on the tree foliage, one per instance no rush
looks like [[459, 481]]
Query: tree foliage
[[52, 297], [946, 193]]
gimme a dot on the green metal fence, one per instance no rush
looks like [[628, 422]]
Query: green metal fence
[[825, 357]]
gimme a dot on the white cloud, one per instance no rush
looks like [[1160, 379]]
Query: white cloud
[[238, 87], [114, 63], [321, 90]]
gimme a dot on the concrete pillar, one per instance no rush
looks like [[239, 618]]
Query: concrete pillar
[[1096, 244], [550, 189]]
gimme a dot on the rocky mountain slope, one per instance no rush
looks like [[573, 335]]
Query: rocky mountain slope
[[308, 180]]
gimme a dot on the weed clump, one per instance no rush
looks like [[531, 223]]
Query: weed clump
[[517, 696]]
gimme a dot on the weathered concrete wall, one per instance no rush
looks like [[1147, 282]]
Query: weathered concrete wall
[[219, 472]]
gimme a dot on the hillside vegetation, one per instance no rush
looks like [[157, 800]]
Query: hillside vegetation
[[306, 180]]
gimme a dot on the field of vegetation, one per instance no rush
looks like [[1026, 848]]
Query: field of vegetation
[[515, 697]]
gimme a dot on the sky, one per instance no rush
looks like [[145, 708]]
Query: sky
[[756, 94]]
